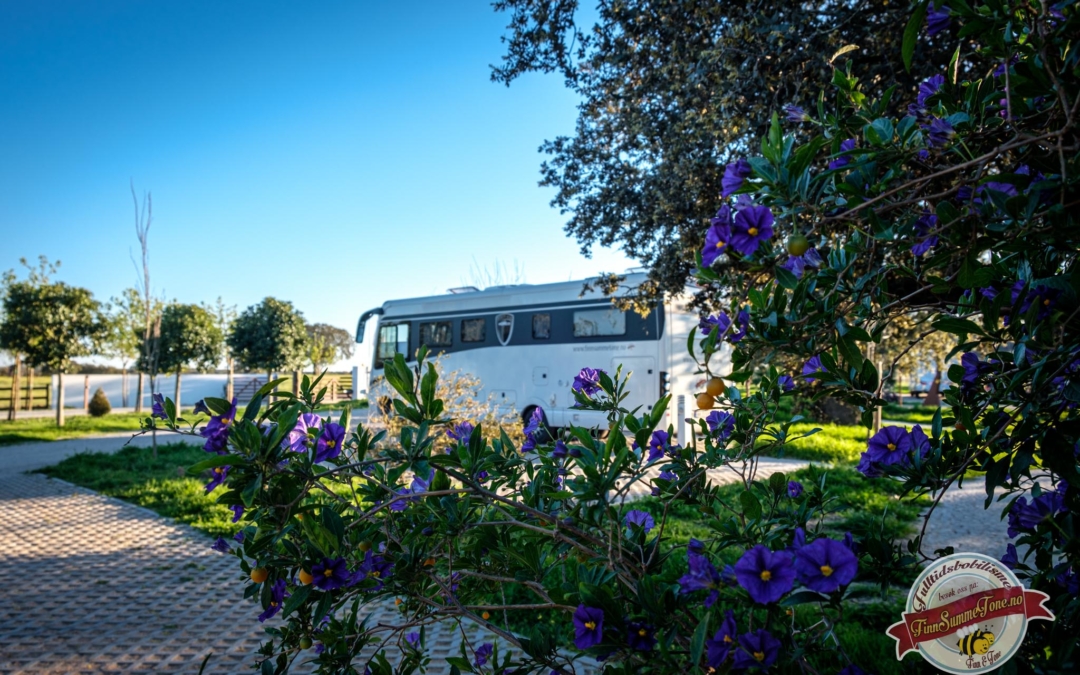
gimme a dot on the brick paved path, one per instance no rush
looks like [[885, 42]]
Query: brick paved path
[[90, 584]]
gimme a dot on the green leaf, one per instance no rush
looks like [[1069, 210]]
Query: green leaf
[[215, 461], [786, 278], [750, 505], [803, 597], [697, 643], [252, 489], [911, 33], [778, 482], [295, 600], [951, 324]]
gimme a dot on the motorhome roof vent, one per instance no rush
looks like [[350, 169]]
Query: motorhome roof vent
[[463, 289], [503, 287]]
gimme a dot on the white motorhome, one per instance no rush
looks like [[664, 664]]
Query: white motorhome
[[526, 343]]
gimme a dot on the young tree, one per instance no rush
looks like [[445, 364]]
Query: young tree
[[671, 89], [51, 323], [190, 337], [224, 315], [270, 336], [327, 344], [126, 321], [151, 319]]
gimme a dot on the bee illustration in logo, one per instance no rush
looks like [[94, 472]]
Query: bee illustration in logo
[[972, 641]]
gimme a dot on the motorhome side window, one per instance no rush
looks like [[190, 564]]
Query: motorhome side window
[[473, 330], [541, 326], [436, 334], [393, 339], [599, 322]]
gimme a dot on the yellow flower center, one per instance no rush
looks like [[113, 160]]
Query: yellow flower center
[[226, 421], [727, 638], [1046, 302], [375, 573], [328, 573], [591, 625], [766, 575], [331, 444], [273, 604], [760, 656], [218, 469], [891, 446], [826, 570], [643, 632], [752, 231], [720, 244]]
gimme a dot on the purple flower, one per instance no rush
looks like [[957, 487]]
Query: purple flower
[[421, 484], [702, 575], [216, 431], [797, 264], [1026, 517], [920, 443], [852, 669], [794, 113], [200, 408], [239, 536], [460, 432], [560, 450], [721, 424], [924, 228], [719, 646], [813, 367], [717, 237], [825, 565], [588, 626], [587, 381], [734, 175], [330, 441], [158, 409], [742, 320], [973, 368], [303, 434], [798, 540], [939, 132], [888, 446], [937, 19], [843, 159], [277, 596], [237, 511], [794, 489], [483, 653], [786, 382], [1010, 559], [221, 546], [535, 419], [765, 575], [756, 650], [219, 475], [529, 444], [659, 443], [721, 322], [1042, 296], [928, 88], [1069, 580], [374, 567], [413, 639], [753, 225], [641, 636], [641, 519], [330, 574]]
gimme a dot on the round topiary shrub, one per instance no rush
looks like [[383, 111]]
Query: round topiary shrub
[[99, 404]]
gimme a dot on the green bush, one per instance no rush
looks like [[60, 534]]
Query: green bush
[[99, 404]]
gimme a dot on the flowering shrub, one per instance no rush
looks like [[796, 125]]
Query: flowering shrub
[[958, 207]]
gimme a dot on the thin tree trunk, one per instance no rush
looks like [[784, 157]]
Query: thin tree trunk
[[176, 398], [124, 386], [29, 387], [296, 383], [139, 393], [14, 403], [86, 393], [229, 385], [60, 399]]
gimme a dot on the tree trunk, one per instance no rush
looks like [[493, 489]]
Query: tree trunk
[[86, 393], [139, 393], [229, 386], [124, 386], [60, 399], [29, 387], [296, 383], [933, 397], [13, 405], [176, 396]]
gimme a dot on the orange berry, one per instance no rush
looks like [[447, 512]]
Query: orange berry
[[429, 562], [714, 387], [705, 402], [485, 616], [305, 577], [260, 574]]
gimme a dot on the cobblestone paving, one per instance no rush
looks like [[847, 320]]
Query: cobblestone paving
[[91, 584]]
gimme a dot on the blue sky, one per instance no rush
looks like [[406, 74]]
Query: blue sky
[[333, 154]]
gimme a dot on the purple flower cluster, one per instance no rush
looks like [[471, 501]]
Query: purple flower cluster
[[797, 264], [702, 575], [587, 381], [718, 322], [722, 642], [216, 431], [303, 435], [460, 432], [893, 445], [745, 232], [1025, 517], [532, 426]]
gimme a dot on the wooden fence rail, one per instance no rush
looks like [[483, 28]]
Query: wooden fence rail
[[39, 398]]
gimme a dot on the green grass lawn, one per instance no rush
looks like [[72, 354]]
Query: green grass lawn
[[917, 414], [833, 444], [33, 429], [132, 474]]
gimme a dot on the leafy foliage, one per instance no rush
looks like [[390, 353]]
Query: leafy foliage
[[327, 344], [99, 404], [50, 323], [189, 337], [269, 336]]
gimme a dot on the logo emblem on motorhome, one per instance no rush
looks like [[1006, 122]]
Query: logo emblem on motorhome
[[504, 327]]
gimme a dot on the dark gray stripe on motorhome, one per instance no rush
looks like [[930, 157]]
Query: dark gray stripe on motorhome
[[638, 328], [498, 309]]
